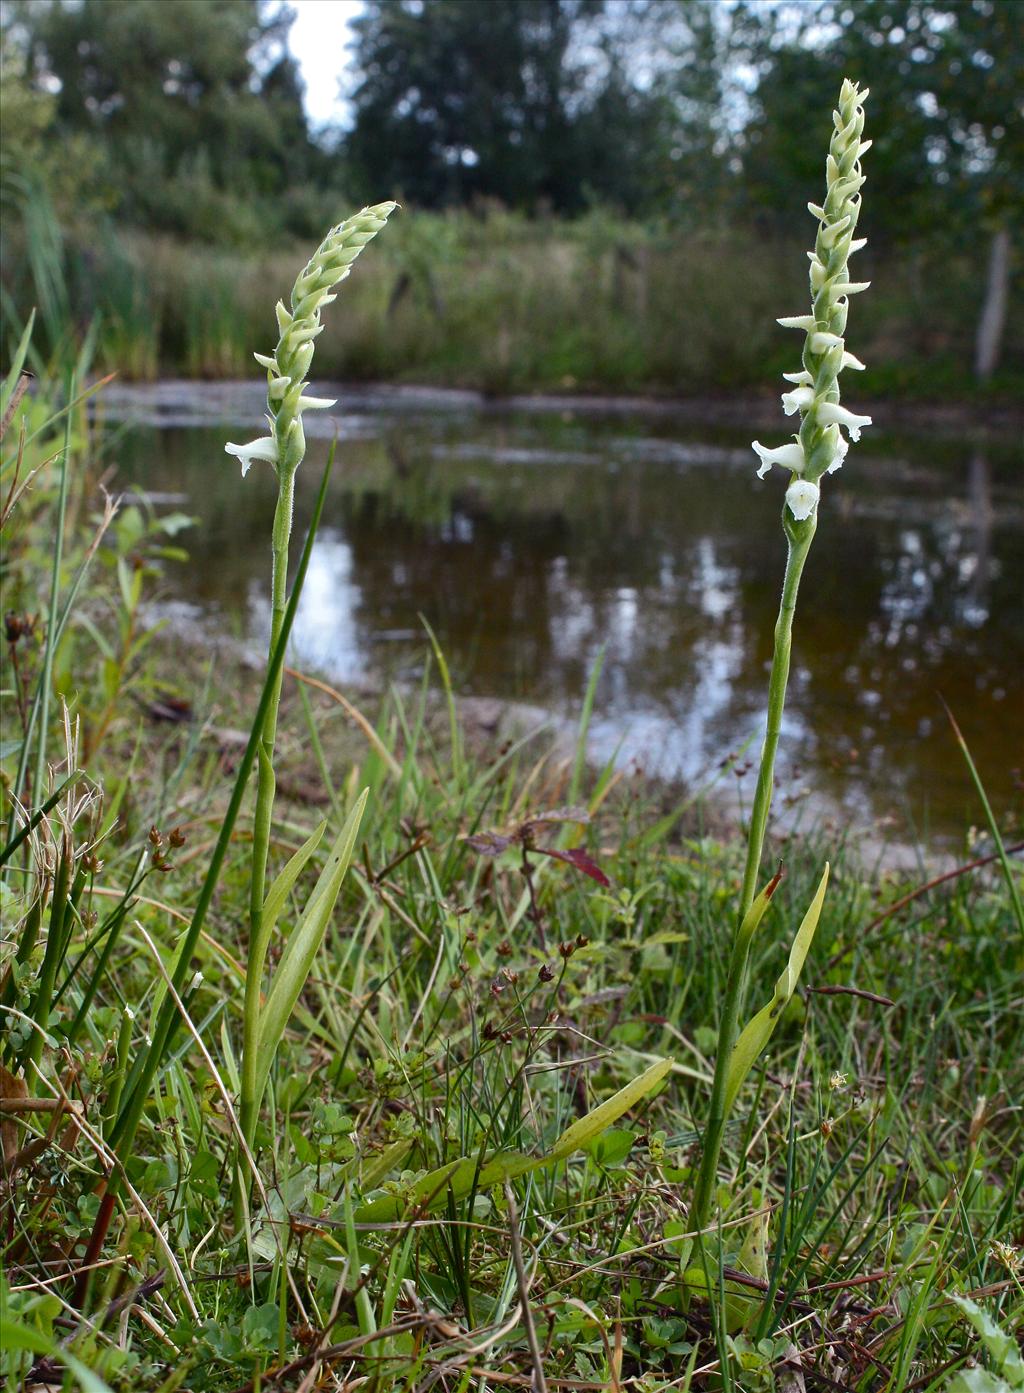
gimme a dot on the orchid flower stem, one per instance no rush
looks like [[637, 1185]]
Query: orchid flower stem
[[266, 788], [818, 450], [799, 536], [287, 373]]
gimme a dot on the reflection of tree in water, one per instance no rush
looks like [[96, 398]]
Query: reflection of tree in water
[[526, 570], [916, 624], [530, 542]]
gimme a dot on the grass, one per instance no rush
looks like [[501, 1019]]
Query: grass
[[871, 1173], [502, 304], [432, 1111]]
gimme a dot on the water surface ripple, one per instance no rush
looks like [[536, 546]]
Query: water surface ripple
[[530, 539]]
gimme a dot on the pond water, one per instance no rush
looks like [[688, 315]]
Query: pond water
[[532, 537]]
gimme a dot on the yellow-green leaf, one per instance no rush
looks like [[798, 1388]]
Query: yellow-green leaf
[[760, 1030], [577, 1136]]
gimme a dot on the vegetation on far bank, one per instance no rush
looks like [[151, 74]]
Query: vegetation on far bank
[[503, 303]]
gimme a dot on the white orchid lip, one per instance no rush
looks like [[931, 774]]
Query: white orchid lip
[[830, 413], [807, 322], [802, 498], [842, 450], [802, 378], [264, 448], [821, 341], [798, 400], [789, 456]]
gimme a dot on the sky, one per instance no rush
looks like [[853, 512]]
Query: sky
[[317, 41]]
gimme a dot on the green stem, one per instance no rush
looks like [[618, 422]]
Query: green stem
[[799, 535], [265, 790]]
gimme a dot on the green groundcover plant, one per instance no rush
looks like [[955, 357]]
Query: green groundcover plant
[[465, 1095]]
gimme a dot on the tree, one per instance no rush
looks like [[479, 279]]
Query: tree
[[193, 93], [946, 79], [538, 103]]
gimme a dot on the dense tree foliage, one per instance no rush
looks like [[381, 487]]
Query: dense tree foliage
[[527, 101], [194, 105], [648, 106], [947, 105]]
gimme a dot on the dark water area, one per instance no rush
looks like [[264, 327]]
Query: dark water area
[[531, 538]]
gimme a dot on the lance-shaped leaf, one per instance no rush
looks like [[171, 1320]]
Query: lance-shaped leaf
[[754, 915], [462, 1176], [303, 944], [281, 887], [760, 1030], [576, 856], [577, 1136], [1002, 1348]]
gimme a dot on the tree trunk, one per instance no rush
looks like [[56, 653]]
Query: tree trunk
[[993, 313]]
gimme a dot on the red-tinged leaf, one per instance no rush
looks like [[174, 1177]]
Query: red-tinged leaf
[[578, 858], [489, 843], [773, 884]]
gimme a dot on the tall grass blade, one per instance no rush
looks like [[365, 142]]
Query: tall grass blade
[[583, 730], [17, 363], [993, 826], [46, 675], [37, 817]]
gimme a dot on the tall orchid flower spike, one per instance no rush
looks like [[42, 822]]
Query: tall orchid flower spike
[[287, 367], [819, 449], [299, 326], [815, 393]]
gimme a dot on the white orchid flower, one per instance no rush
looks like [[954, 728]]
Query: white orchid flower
[[821, 342], [799, 399], [831, 414], [263, 448], [850, 360], [798, 321], [802, 378], [315, 403], [802, 498], [838, 447], [789, 456]]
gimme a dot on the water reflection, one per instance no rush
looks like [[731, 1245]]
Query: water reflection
[[531, 540]]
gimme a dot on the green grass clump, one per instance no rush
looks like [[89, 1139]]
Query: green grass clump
[[451, 1020]]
